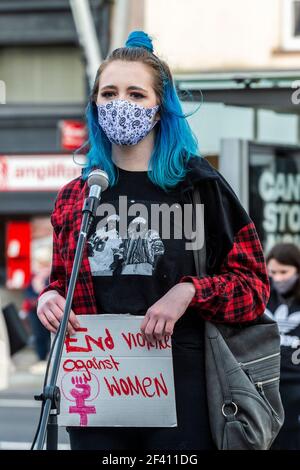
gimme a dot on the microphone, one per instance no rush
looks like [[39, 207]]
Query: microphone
[[97, 182]]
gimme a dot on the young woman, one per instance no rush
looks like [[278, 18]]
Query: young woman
[[283, 263], [140, 137]]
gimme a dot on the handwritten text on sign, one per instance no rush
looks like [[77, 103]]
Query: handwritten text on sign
[[110, 375]]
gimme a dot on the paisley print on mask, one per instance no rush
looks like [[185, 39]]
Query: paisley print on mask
[[126, 123]]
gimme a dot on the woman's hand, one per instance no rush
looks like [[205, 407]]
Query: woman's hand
[[161, 317], [50, 310]]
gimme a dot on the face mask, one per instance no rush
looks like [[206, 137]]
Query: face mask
[[283, 287], [125, 123]]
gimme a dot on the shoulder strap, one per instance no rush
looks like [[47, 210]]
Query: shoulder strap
[[199, 255]]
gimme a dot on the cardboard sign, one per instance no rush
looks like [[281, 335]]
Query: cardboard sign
[[111, 376]]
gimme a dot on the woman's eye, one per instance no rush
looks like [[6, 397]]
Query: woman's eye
[[107, 94], [137, 95], [110, 94]]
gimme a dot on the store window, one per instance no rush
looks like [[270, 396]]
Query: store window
[[2, 253], [26, 244], [274, 193], [291, 24]]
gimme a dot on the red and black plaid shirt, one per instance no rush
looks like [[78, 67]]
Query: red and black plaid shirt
[[237, 288]]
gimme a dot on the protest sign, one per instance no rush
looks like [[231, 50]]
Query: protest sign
[[110, 375]]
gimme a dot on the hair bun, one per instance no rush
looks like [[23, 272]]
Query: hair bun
[[139, 39]]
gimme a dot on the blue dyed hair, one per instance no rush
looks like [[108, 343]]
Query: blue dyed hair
[[175, 142]]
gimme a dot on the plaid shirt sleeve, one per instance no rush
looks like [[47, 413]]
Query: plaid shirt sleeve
[[240, 291]]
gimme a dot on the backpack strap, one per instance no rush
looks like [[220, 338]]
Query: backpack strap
[[199, 255]]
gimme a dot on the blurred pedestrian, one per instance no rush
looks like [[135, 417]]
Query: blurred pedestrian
[[5, 362], [41, 336], [283, 263]]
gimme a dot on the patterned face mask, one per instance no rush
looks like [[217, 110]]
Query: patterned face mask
[[126, 123]]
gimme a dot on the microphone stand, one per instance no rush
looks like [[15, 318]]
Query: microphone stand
[[51, 394]]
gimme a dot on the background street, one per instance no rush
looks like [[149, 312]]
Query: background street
[[19, 413]]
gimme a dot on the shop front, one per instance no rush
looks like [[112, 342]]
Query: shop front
[[28, 188]]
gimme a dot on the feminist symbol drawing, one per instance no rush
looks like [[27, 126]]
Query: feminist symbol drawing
[[81, 393]]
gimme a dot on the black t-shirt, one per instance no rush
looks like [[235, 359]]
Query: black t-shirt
[[135, 261], [286, 311]]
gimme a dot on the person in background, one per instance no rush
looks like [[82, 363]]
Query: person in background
[[283, 263], [41, 336], [6, 365]]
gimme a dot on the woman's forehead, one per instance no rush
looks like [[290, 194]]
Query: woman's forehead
[[274, 264], [125, 73]]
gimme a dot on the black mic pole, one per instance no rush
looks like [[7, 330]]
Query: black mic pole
[[51, 394]]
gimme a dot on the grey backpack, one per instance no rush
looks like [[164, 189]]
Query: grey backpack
[[242, 364]]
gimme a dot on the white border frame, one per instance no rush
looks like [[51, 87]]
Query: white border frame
[[289, 41]]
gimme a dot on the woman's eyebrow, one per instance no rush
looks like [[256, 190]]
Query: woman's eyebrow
[[108, 86], [136, 88], [132, 87]]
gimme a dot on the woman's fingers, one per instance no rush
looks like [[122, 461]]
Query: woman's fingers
[[169, 328], [43, 319], [156, 328], [73, 320], [51, 311], [49, 320], [149, 329], [55, 317], [158, 332], [52, 319], [74, 323]]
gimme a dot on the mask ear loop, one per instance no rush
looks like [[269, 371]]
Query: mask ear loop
[[76, 152], [182, 93]]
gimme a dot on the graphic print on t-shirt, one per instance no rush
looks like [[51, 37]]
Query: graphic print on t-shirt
[[287, 323], [138, 253]]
